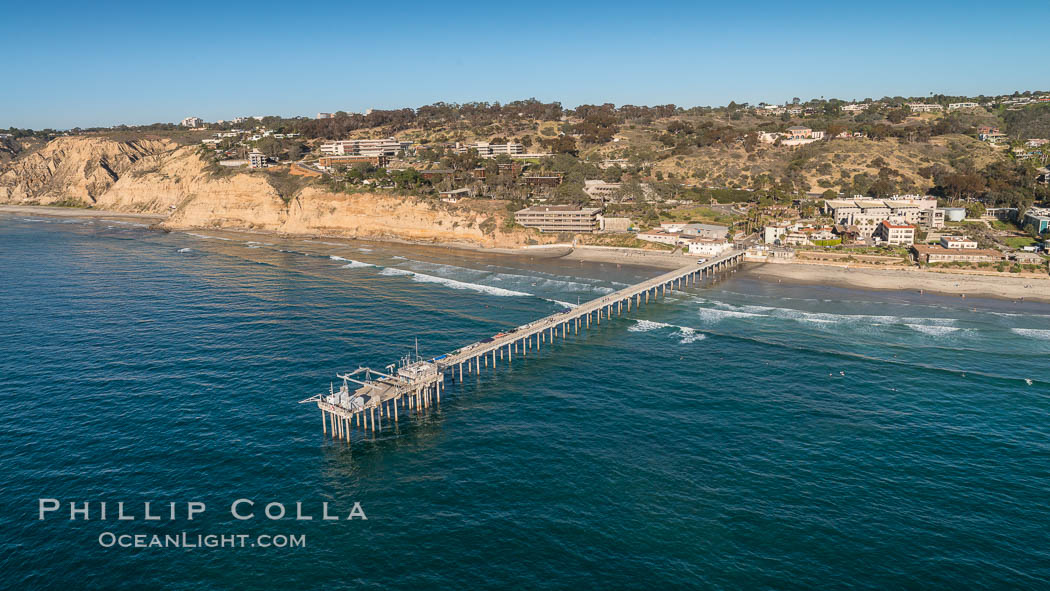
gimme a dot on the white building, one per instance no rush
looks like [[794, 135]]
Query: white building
[[867, 214], [925, 108], [380, 147], [487, 150], [192, 122], [955, 106], [700, 230], [770, 234], [257, 159], [680, 234], [957, 242], [708, 247], [896, 234]]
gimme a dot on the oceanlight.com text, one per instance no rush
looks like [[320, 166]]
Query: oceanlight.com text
[[188, 540]]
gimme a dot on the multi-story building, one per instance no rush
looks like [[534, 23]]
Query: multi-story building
[[192, 122], [1037, 219], [325, 116], [956, 106], [896, 234], [867, 214], [329, 162], [708, 247], [559, 218], [257, 159], [957, 242], [770, 234], [379, 147], [600, 189], [543, 180], [940, 254], [487, 150]]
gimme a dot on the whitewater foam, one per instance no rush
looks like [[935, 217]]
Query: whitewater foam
[[687, 335], [723, 310], [206, 237], [932, 330], [1035, 333], [423, 278]]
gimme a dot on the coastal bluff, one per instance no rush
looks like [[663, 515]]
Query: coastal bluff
[[160, 177]]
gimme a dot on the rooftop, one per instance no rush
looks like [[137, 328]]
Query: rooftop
[[559, 208], [936, 249]]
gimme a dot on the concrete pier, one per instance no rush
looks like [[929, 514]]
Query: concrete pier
[[416, 383]]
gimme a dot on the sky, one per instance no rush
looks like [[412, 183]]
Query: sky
[[81, 64]]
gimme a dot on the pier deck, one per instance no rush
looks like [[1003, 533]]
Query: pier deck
[[415, 384]]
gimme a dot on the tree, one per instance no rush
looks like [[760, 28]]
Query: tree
[[561, 145], [896, 115]]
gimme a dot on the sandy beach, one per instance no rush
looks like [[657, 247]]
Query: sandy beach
[[955, 284], [74, 212]]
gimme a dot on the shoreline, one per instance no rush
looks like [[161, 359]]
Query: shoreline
[[933, 282], [942, 283], [76, 212]]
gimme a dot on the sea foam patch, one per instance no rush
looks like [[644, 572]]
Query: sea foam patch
[[424, 278], [686, 334]]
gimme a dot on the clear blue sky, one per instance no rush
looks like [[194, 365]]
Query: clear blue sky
[[90, 64]]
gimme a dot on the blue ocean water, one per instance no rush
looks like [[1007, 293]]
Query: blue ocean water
[[743, 434]]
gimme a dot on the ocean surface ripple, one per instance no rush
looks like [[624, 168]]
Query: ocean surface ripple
[[738, 435]]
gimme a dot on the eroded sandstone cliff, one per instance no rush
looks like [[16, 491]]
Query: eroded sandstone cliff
[[73, 169], [158, 177]]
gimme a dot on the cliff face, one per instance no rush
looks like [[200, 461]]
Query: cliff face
[[157, 177], [359, 215], [71, 169]]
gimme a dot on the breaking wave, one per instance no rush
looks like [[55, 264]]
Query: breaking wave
[[687, 334], [1035, 333], [933, 330], [719, 311], [350, 263], [423, 278]]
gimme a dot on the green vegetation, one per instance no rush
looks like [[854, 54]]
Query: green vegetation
[[287, 185], [622, 241], [834, 242], [1019, 241], [71, 202], [698, 215]]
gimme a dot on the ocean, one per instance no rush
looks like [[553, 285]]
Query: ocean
[[739, 434]]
